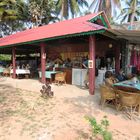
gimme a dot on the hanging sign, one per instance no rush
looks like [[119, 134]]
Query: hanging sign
[[44, 55], [90, 63]]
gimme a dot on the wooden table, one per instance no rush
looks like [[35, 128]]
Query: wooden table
[[21, 72]]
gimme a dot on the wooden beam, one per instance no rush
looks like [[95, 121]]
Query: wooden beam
[[92, 65]]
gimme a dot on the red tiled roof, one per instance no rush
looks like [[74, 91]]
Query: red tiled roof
[[63, 28]]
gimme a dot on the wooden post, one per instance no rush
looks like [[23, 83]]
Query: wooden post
[[43, 63], [14, 62], [92, 67], [117, 59]]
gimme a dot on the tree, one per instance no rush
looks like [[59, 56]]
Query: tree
[[131, 12], [17, 15], [105, 5], [11, 16], [7, 11], [65, 7], [40, 11]]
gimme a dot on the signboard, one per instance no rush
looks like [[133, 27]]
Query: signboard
[[90, 63]]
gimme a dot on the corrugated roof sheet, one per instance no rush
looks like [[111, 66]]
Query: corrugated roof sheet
[[63, 28]]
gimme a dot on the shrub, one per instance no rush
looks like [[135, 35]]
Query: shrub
[[100, 128]]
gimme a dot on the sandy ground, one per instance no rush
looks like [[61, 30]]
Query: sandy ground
[[24, 115]]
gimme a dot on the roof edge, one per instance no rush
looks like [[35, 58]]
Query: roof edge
[[57, 37], [102, 13]]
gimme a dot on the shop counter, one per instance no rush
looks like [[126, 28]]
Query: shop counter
[[78, 76], [48, 74]]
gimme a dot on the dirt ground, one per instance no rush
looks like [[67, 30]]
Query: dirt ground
[[25, 115]]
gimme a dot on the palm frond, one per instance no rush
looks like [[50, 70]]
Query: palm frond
[[124, 18], [92, 4], [4, 3], [82, 3]]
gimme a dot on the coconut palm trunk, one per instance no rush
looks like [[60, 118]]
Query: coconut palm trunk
[[105, 5], [133, 13], [62, 11]]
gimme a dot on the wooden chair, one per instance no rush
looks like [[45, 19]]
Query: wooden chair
[[60, 78], [107, 95], [6, 72], [129, 101]]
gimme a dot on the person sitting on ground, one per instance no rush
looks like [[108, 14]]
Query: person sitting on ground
[[121, 76], [110, 79]]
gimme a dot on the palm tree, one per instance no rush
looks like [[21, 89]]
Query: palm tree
[[40, 11], [23, 10], [105, 5], [131, 12], [7, 11], [11, 16], [64, 7]]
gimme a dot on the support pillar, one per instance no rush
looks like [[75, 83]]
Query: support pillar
[[91, 65], [43, 63], [117, 59], [14, 62]]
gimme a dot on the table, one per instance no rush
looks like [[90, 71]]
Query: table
[[48, 74], [20, 71], [1, 69], [128, 86]]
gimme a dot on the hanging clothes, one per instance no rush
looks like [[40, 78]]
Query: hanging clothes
[[138, 65], [133, 60]]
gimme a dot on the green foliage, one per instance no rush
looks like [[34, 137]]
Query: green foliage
[[7, 10], [11, 12], [67, 7], [100, 128], [131, 11], [5, 57], [40, 11]]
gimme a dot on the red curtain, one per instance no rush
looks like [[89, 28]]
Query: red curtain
[[134, 58], [138, 65]]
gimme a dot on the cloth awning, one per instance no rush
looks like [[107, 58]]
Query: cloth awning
[[133, 36]]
